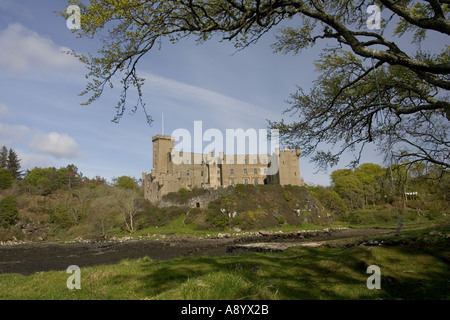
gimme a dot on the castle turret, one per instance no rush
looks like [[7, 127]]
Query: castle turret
[[162, 146], [288, 167]]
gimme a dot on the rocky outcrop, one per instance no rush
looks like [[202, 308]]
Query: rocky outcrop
[[195, 201], [34, 231]]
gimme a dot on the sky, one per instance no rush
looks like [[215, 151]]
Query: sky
[[41, 116]]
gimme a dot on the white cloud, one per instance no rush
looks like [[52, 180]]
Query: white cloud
[[4, 112], [31, 161], [10, 134], [55, 144], [23, 50]]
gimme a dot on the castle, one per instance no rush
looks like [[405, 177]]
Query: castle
[[207, 171]]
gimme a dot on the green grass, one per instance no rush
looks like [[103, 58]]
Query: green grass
[[418, 271], [179, 227]]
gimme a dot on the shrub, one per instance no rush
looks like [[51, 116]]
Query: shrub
[[432, 214], [216, 220], [183, 192], [6, 179], [214, 217], [287, 195], [332, 201], [8, 211], [7, 234], [61, 217]]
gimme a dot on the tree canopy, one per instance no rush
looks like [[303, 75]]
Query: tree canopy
[[9, 160], [370, 88], [125, 182]]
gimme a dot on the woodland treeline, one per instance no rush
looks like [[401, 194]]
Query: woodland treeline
[[61, 203], [413, 185]]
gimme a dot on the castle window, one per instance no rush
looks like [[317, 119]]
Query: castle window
[[295, 173], [218, 179], [201, 173], [245, 171], [187, 172], [218, 171], [256, 182], [246, 181], [255, 171], [232, 182], [231, 171]]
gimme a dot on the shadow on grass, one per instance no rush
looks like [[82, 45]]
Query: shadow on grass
[[305, 273]]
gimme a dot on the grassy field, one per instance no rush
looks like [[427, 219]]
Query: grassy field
[[414, 266]]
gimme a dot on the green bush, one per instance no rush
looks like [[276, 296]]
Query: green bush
[[432, 214], [6, 179], [214, 217], [183, 192], [287, 195], [8, 211], [384, 216], [61, 217], [125, 182], [216, 220]]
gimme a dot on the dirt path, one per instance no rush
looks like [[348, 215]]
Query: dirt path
[[31, 258]]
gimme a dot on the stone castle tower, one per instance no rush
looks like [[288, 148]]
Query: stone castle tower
[[208, 171]]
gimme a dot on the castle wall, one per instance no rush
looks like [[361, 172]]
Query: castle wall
[[289, 171], [198, 170], [243, 169]]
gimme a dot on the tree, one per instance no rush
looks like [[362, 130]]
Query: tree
[[372, 178], [103, 216], [42, 180], [4, 158], [8, 211], [71, 177], [348, 187], [6, 179], [13, 164], [370, 89], [129, 208], [330, 199], [125, 182]]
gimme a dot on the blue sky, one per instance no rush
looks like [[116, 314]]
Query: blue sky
[[42, 119]]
